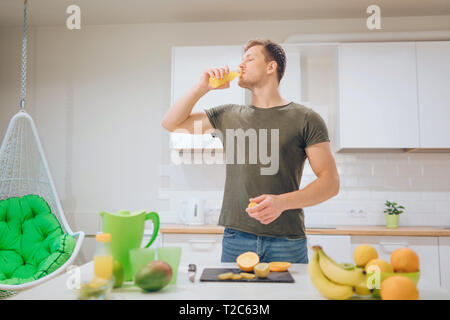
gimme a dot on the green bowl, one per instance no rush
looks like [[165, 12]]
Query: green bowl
[[414, 276]]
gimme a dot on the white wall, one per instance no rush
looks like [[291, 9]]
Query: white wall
[[98, 96]]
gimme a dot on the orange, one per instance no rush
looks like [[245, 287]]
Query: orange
[[279, 266], [252, 204], [405, 260], [363, 254], [384, 266], [399, 288], [247, 261]]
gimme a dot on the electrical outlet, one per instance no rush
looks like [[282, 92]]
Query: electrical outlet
[[357, 213]]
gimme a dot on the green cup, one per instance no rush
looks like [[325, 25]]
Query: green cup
[[139, 257], [172, 256]]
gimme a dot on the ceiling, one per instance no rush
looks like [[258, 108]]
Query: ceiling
[[53, 12]]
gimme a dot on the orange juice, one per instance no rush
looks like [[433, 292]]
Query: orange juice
[[103, 266], [103, 259], [214, 82]]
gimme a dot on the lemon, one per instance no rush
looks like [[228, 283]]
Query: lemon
[[262, 270]]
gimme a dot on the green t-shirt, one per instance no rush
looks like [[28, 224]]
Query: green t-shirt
[[273, 142]]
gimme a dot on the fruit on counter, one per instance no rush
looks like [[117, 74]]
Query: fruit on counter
[[97, 288], [154, 276], [383, 266], [336, 273], [326, 287], [279, 266], [252, 204], [363, 254], [405, 260], [225, 276], [248, 276], [262, 270], [247, 261], [118, 273], [348, 266], [362, 289], [236, 276], [399, 288]]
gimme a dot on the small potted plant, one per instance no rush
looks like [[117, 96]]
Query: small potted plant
[[392, 214]]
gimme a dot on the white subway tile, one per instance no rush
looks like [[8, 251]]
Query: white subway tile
[[436, 170], [409, 170], [389, 170], [371, 182], [401, 183], [435, 195], [442, 207]]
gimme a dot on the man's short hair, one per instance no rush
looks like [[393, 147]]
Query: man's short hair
[[272, 52]]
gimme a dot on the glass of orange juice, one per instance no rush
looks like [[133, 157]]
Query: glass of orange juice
[[103, 259]]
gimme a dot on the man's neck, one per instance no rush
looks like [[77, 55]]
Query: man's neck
[[267, 97]]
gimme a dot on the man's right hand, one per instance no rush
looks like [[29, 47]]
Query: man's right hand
[[219, 73]]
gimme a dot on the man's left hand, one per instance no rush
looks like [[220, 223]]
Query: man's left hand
[[269, 207]]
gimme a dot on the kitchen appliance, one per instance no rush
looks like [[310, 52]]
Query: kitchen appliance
[[193, 213], [127, 229]]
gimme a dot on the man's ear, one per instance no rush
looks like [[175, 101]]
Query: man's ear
[[272, 67]]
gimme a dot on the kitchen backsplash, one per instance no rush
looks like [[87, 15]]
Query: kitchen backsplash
[[418, 181]]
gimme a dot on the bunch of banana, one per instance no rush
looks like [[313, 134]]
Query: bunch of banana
[[335, 281]]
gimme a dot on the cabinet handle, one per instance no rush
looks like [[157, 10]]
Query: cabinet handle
[[202, 241], [384, 245], [202, 245]]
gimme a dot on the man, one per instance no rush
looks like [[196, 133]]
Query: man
[[274, 227]]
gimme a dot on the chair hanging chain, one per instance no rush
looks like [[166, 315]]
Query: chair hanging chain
[[23, 92]]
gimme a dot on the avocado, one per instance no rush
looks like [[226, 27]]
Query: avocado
[[154, 276]]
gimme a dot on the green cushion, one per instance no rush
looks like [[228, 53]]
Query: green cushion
[[32, 242]]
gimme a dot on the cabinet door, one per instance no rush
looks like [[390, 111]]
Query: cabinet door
[[201, 249], [426, 248], [188, 64], [378, 95], [290, 84], [444, 260], [337, 247], [433, 74]]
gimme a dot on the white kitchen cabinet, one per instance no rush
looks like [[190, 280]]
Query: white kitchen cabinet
[[337, 247], [201, 249], [188, 64], [378, 95], [426, 248], [444, 261], [433, 74], [290, 85]]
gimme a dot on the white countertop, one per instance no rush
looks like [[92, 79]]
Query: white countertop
[[302, 289]]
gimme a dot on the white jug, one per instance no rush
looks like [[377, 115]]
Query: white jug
[[193, 213]]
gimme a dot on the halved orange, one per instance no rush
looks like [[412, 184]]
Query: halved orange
[[247, 261], [279, 266]]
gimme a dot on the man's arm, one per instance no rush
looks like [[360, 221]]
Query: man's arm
[[180, 117], [323, 188]]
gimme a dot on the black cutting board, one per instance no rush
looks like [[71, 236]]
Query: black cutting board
[[211, 274]]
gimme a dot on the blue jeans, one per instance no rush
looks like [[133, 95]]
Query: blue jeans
[[268, 249]]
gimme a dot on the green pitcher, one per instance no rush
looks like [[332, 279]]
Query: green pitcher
[[127, 229]]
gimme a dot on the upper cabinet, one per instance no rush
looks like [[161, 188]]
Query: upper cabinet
[[378, 95], [433, 75], [290, 84], [188, 64], [394, 95]]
